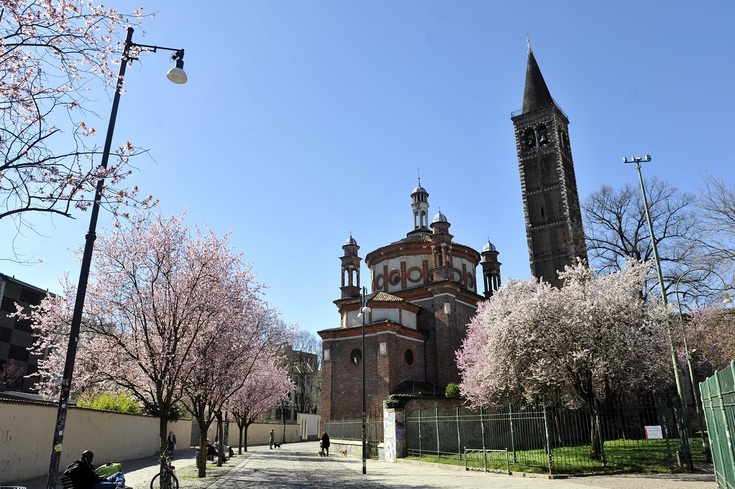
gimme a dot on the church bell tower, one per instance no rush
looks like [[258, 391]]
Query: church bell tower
[[550, 200]]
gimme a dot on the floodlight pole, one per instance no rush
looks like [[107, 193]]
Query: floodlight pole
[[684, 425]]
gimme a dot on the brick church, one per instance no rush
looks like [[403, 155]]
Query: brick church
[[424, 287]]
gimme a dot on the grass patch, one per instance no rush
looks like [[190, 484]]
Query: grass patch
[[620, 456]]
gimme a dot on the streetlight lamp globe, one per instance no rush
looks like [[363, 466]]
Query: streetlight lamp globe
[[177, 74]]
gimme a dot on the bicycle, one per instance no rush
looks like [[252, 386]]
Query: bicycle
[[165, 479]]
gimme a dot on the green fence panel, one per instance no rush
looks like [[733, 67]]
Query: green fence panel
[[718, 404]]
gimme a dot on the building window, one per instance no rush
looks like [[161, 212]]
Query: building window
[[29, 297], [8, 305], [356, 356], [23, 324], [409, 357], [16, 352], [326, 354], [383, 348]]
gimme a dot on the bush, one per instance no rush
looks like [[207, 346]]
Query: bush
[[452, 391], [110, 401]]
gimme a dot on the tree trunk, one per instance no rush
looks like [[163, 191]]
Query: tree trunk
[[245, 440], [220, 442], [596, 441], [163, 435], [202, 459]]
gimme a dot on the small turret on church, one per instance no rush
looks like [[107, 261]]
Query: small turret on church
[[441, 249], [350, 269], [490, 269], [549, 188]]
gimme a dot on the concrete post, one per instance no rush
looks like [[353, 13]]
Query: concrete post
[[394, 433]]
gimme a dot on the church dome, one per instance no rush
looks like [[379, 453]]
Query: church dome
[[439, 217], [351, 241], [489, 247]]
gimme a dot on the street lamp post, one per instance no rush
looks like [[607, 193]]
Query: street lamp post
[[176, 75], [687, 353], [683, 425], [364, 311], [283, 417]]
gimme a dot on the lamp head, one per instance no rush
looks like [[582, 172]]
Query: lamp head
[[177, 74]]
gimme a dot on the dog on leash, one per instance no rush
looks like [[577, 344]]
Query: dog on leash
[[276, 444], [343, 452], [320, 453]]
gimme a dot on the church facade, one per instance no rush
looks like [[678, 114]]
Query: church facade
[[424, 288], [424, 292]]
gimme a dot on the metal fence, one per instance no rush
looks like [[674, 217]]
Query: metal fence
[[351, 429], [718, 401], [553, 439]]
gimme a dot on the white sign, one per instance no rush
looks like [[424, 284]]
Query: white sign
[[654, 433]]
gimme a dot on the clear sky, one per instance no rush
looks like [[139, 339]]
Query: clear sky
[[305, 121]]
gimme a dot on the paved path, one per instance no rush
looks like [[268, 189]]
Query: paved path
[[297, 466]]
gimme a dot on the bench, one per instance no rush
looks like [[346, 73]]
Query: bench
[[66, 482]]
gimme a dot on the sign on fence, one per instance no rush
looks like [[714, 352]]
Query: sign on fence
[[654, 433]]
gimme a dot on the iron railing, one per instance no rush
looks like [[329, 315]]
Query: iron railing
[[351, 429], [553, 439]]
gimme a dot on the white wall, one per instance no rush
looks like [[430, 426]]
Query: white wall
[[26, 434]]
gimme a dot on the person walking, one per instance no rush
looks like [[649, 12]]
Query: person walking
[[171, 442], [270, 439], [325, 444]]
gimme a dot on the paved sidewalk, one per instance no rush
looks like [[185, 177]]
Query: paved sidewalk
[[297, 466]]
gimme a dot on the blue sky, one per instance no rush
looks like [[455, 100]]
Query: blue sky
[[303, 122]]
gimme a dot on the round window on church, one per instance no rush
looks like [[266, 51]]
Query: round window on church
[[395, 277], [356, 356], [409, 357]]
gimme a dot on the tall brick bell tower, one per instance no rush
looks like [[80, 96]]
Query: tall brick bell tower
[[550, 200]]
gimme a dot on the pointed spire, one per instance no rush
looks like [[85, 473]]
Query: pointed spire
[[536, 94]]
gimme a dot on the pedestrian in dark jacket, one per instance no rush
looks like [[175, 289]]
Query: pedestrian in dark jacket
[[325, 444], [171, 442]]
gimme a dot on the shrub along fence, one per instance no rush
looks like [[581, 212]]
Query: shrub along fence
[[543, 437]]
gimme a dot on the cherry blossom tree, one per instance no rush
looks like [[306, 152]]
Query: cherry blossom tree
[[157, 290], [227, 356], [50, 54], [711, 340], [592, 339], [267, 385]]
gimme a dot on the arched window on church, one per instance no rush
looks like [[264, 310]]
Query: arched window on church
[[356, 356], [530, 138], [543, 139], [424, 220]]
